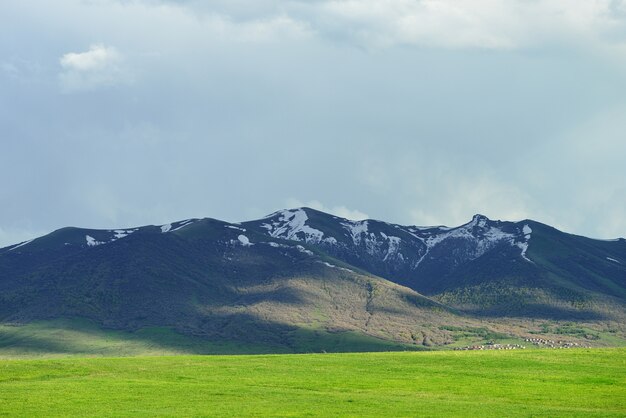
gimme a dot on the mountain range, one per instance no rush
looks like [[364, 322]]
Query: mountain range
[[304, 280]]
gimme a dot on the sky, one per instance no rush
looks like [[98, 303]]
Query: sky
[[120, 113]]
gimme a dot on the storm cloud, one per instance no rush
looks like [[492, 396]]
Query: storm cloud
[[126, 113]]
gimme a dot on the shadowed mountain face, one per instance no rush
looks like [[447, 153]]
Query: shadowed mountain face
[[208, 278], [486, 267], [301, 269]]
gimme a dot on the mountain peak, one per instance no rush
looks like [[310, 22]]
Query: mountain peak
[[479, 220], [479, 217], [299, 265]]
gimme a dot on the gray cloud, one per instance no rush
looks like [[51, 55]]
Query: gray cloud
[[227, 111], [483, 24]]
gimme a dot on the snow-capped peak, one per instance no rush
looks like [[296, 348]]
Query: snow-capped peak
[[479, 220], [477, 237], [291, 224]]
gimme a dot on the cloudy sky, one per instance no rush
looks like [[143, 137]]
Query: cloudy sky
[[118, 113]]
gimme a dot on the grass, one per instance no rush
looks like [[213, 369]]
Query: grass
[[581, 382], [76, 337], [82, 338]]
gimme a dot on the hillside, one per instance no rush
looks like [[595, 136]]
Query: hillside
[[209, 279], [298, 279], [485, 267]]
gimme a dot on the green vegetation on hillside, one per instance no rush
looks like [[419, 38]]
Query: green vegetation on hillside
[[582, 382], [80, 338], [210, 287]]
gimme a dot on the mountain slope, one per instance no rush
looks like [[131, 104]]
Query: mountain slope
[[299, 277], [485, 267], [211, 279]]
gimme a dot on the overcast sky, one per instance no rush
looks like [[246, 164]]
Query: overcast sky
[[125, 113]]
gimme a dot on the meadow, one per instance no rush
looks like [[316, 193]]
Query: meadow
[[576, 382]]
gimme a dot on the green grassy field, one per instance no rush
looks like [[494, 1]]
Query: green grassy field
[[579, 382]]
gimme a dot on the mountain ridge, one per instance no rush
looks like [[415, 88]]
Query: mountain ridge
[[301, 269], [181, 223]]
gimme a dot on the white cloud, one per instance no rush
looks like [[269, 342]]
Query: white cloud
[[97, 58], [340, 211], [263, 30], [97, 67], [482, 24], [234, 78], [489, 24], [226, 21]]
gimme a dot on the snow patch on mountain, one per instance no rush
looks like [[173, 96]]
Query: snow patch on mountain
[[492, 235], [300, 248], [304, 250], [276, 245], [235, 227], [183, 224], [479, 221], [330, 241], [291, 224], [479, 233], [21, 245], [524, 247], [393, 248], [244, 240], [379, 245], [327, 264], [356, 230], [473, 239], [166, 228], [122, 233], [91, 241], [527, 231]]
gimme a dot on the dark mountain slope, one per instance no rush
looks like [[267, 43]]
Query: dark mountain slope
[[298, 275], [210, 279]]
